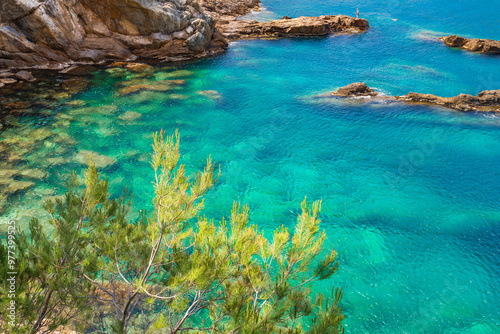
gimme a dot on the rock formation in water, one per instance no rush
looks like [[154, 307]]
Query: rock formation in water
[[355, 89], [287, 27], [59, 33], [488, 100], [55, 33], [226, 13], [475, 44]]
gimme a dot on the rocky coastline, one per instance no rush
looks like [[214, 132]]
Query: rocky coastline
[[488, 100], [297, 27], [58, 35], [488, 46]]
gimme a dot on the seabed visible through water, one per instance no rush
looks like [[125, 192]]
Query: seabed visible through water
[[410, 193]]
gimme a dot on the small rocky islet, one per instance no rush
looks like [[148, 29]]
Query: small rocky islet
[[75, 42], [488, 100], [487, 46]]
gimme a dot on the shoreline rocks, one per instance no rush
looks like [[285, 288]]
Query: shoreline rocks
[[488, 100], [304, 26], [53, 35], [477, 45]]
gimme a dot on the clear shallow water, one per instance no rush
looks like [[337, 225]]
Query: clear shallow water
[[410, 193]]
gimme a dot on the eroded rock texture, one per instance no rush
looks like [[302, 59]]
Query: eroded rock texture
[[55, 33], [288, 27], [488, 100], [475, 44]]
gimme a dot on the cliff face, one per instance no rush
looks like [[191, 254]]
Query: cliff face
[[59, 33], [55, 33]]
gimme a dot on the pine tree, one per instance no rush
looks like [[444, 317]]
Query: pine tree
[[167, 272]]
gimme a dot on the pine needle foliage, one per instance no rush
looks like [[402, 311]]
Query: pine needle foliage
[[167, 272]]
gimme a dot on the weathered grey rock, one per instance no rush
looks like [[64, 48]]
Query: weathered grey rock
[[25, 76], [56, 33], [475, 44]]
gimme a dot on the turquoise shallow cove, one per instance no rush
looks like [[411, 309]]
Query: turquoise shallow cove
[[410, 193]]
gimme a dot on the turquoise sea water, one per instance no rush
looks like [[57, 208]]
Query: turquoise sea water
[[410, 193]]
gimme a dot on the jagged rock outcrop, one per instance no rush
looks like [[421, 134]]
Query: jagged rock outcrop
[[286, 27], [475, 44], [229, 8], [55, 33], [355, 89], [226, 14], [488, 100]]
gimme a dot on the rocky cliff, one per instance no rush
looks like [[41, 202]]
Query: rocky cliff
[[55, 33], [59, 33]]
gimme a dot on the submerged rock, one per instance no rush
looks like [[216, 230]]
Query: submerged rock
[[40, 134], [56, 161], [17, 105], [138, 67], [101, 161], [76, 85], [129, 116], [173, 74], [76, 103], [212, 94], [33, 173], [177, 96], [474, 44], [17, 186], [150, 87], [21, 111]]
